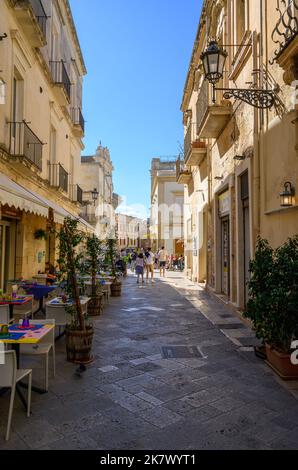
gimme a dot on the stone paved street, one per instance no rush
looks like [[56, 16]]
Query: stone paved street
[[210, 393]]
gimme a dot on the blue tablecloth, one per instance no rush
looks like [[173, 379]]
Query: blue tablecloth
[[38, 290]]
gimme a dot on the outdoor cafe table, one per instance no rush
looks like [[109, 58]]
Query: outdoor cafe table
[[39, 291], [19, 300], [18, 336]]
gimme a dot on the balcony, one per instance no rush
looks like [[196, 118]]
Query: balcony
[[183, 175], [60, 77], [90, 218], [211, 118], [33, 18], [194, 149], [58, 177], [285, 36], [76, 193], [25, 145], [78, 120]]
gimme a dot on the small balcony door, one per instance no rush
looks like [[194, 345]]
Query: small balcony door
[[17, 115]]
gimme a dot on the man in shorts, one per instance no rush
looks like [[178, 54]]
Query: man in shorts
[[163, 257]]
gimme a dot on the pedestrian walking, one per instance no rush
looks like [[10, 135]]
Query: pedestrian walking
[[133, 261], [140, 267], [149, 263], [163, 258]]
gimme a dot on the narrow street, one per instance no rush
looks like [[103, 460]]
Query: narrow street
[[166, 375]]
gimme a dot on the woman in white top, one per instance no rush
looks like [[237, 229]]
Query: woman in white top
[[149, 262]]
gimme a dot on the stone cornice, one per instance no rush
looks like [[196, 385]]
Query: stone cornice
[[75, 35], [193, 61]]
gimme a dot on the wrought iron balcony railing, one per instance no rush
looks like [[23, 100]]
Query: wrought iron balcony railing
[[25, 144], [286, 28], [40, 15], [58, 176], [190, 137], [202, 104], [38, 10], [77, 118], [60, 75], [183, 175], [76, 193]]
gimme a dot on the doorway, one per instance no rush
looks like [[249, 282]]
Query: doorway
[[225, 256], [246, 233], [7, 253]]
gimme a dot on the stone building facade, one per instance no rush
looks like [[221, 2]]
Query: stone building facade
[[41, 130], [166, 218], [131, 231], [97, 174], [237, 158]]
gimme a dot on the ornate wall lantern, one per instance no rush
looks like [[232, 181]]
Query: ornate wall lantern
[[94, 195], [214, 59], [286, 197]]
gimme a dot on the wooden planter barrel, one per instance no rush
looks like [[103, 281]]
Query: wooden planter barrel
[[116, 288], [95, 306], [79, 345]]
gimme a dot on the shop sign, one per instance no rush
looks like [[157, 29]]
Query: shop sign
[[224, 204], [10, 212]]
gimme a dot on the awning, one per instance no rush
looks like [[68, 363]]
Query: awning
[[59, 212], [26, 200], [16, 196]]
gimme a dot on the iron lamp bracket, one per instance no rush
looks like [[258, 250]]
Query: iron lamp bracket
[[260, 99]]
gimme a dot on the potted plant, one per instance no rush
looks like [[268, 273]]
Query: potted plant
[[40, 234], [116, 285], [79, 333], [94, 253], [273, 303]]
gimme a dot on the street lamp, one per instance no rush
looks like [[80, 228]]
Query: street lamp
[[286, 197], [94, 195], [214, 59]]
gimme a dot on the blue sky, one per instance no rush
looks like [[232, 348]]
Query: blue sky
[[137, 55]]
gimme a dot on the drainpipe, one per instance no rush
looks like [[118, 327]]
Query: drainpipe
[[258, 122]]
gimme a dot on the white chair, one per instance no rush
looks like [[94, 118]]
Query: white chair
[[4, 315], [42, 348], [10, 375], [25, 310], [58, 313]]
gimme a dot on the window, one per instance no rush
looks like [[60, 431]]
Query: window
[[240, 20], [17, 103], [2, 91], [53, 145]]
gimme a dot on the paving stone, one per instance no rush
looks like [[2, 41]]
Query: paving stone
[[131, 398], [149, 398], [160, 416], [107, 368]]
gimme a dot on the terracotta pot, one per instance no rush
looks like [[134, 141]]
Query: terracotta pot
[[281, 364], [79, 345], [199, 145], [95, 306]]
